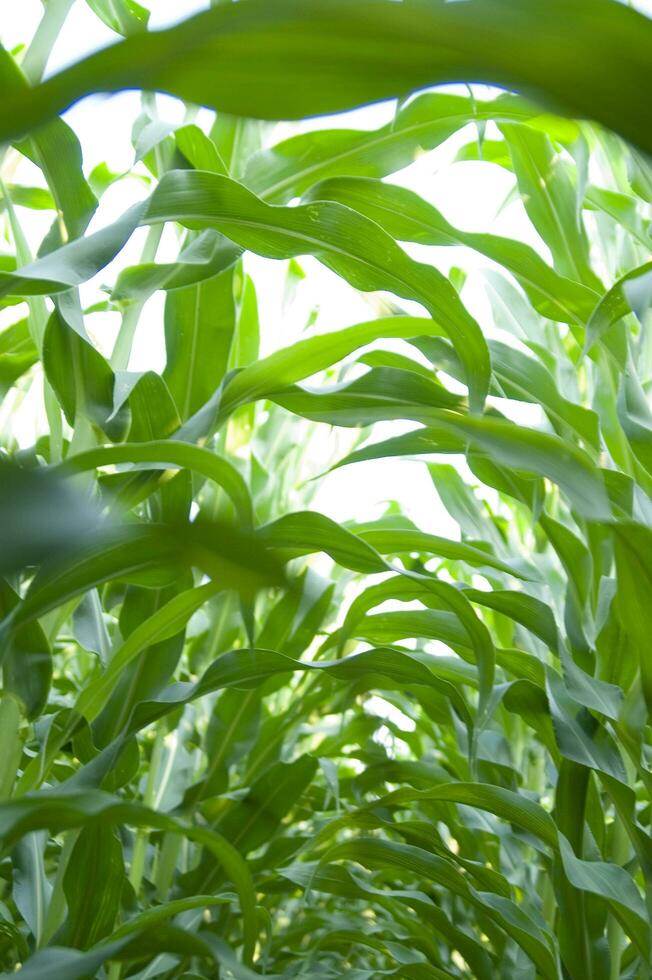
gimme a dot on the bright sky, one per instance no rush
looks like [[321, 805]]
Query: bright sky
[[469, 194]]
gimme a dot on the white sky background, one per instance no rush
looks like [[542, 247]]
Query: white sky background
[[469, 194]]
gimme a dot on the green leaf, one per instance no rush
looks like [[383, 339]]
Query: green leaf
[[537, 452], [252, 822], [153, 553], [415, 861], [425, 50], [36, 198], [160, 913], [61, 811], [413, 744], [513, 807], [424, 441], [31, 889], [54, 962], [631, 293], [615, 886], [87, 390], [55, 149], [10, 734], [247, 669], [199, 150], [27, 664], [548, 196], [313, 354], [92, 883], [199, 326], [43, 517], [74, 262], [632, 551], [17, 354], [289, 168], [579, 736], [346, 242], [381, 394], [530, 612], [205, 256], [125, 17], [525, 379], [396, 541], [408, 218], [306, 532], [169, 453]]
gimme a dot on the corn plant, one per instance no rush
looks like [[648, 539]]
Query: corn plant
[[239, 738]]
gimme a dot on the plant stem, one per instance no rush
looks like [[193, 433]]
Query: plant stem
[[140, 844], [131, 316], [47, 32], [124, 340], [37, 321], [33, 66]]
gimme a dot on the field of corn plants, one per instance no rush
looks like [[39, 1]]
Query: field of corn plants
[[239, 739]]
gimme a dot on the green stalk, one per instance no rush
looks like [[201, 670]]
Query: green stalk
[[620, 852], [38, 313], [12, 744], [548, 903], [37, 321], [56, 913], [82, 437], [124, 341], [572, 930], [45, 36], [33, 66], [166, 865], [142, 835]]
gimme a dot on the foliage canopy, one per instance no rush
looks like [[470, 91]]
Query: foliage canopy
[[428, 756]]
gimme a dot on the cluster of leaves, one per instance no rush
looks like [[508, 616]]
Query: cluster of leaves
[[215, 761]]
